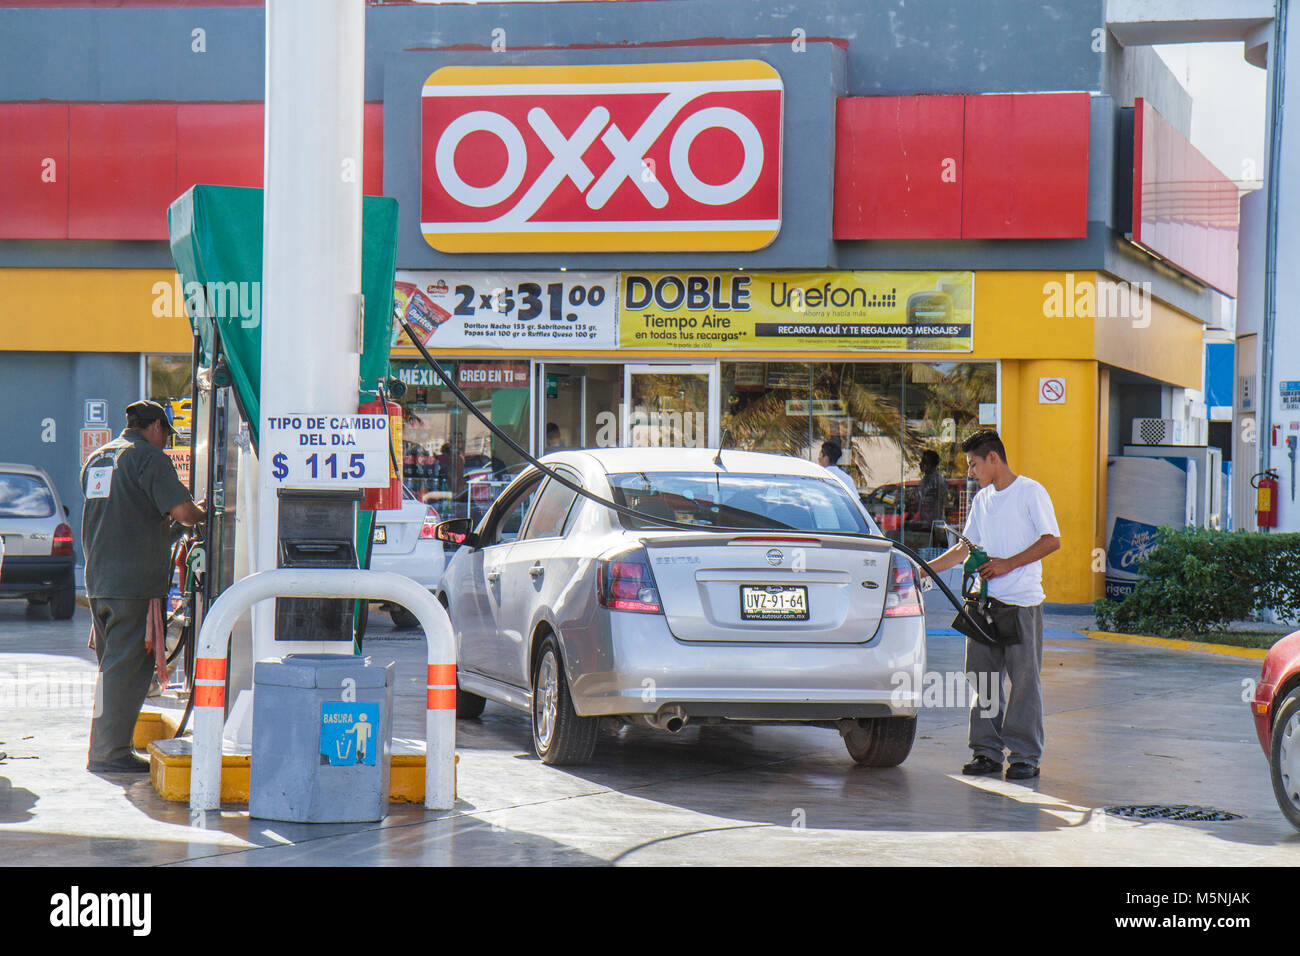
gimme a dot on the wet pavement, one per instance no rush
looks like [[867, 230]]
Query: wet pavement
[[1126, 724]]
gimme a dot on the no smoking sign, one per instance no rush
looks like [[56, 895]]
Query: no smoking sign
[[1051, 391]]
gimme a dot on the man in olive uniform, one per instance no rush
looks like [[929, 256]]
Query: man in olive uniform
[[132, 496]]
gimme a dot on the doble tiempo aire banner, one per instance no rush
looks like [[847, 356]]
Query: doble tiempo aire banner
[[787, 311]]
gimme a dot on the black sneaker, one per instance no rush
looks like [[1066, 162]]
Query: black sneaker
[[1021, 771], [128, 764], [980, 766]]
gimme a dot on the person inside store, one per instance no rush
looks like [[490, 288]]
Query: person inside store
[[932, 501], [1011, 519], [554, 438], [132, 498], [828, 458]]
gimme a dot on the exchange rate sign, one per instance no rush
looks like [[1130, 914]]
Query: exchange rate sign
[[638, 157]]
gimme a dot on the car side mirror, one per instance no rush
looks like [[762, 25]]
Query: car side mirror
[[456, 532]]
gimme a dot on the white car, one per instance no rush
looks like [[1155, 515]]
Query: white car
[[404, 543], [574, 613], [38, 546]]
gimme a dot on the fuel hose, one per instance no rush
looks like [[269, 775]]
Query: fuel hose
[[555, 476]]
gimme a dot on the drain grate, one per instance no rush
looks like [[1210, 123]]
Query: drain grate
[[1179, 812]]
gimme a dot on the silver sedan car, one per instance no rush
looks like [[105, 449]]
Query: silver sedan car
[[579, 615]]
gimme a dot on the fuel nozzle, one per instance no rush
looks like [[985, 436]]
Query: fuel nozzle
[[975, 559]]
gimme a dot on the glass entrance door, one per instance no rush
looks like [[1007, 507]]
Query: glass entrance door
[[670, 406]]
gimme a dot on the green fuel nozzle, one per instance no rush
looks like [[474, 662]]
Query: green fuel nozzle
[[975, 560]]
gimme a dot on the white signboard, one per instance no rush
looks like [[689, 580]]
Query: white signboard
[[326, 451], [543, 310], [1051, 391]]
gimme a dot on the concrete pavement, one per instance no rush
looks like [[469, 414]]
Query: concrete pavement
[[1125, 725]]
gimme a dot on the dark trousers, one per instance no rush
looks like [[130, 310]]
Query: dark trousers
[[125, 671], [1016, 721]]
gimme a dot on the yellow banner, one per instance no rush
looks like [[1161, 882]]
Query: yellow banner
[[789, 311]]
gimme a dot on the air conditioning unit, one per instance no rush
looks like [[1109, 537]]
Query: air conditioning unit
[[1161, 431]]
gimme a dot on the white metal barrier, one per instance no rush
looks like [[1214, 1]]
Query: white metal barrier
[[210, 668]]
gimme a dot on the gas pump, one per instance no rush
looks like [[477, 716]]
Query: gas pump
[[216, 241]]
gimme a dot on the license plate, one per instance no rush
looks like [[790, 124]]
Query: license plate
[[381, 535], [773, 602]]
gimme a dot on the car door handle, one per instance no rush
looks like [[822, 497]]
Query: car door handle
[[536, 571], [493, 576]]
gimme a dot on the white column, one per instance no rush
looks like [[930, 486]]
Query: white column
[[311, 259]]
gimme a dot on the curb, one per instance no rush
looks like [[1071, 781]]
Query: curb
[[1200, 647]]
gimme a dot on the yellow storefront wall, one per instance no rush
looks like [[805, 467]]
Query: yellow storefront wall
[[1038, 324], [91, 310]]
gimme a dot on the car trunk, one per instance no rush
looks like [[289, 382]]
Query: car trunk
[[800, 587], [29, 537], [401, 528]]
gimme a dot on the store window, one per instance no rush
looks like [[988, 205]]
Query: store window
[[167, 382], [900, 426], [450, 459]]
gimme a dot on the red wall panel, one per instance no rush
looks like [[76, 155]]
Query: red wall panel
[[219, 144], [372, 175], [123, 170], [1184, 209], [898, 162], [31, 136], [1026, 166]]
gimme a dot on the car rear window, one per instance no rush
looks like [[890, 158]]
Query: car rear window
[[792, 502], [24, 496]]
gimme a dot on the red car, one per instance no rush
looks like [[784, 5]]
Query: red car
[[1276, 709]]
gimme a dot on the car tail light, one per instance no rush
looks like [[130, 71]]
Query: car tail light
[[431, 520], [903, 598], [624, 583], [62, 541]]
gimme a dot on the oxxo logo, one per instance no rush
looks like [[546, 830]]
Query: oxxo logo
[[640, 157]]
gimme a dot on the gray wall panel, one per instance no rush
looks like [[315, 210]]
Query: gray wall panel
[[895, 46], [41, 385], [131, 54]]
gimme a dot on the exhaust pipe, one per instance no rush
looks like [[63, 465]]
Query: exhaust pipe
[[671, 719]]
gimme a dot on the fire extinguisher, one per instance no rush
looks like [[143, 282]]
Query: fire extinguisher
[[1265, 485], [390, 498]]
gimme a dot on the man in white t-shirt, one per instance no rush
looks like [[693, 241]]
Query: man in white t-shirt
[[1012, 520]]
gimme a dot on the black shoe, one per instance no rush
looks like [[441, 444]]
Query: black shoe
[[981, 765], [1021, 771], [128, 764]]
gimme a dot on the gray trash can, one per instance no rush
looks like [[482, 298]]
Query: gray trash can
[[316, 757]]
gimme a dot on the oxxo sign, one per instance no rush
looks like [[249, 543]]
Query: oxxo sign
[[639, 157]]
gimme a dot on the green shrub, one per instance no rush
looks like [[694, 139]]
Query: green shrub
[[1196, 580]]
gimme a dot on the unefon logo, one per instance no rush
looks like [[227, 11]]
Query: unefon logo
[[683, 156]]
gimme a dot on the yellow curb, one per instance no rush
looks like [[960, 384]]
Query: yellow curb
[[1228, 650], [169, 772], [154, 725]]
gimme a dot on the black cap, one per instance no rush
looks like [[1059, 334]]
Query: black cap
[[149, 411]]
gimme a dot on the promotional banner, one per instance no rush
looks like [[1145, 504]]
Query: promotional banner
[[545, 310], [831, 311]]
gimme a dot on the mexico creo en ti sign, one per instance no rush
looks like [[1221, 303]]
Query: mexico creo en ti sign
[[637, 157]]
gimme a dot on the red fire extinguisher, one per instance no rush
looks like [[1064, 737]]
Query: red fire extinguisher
[[390, 498], [1265, 485]]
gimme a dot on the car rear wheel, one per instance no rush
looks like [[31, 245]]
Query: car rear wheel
[[560, 736], [880, 741], [1284, 757], [63, 604], [403, 619]]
